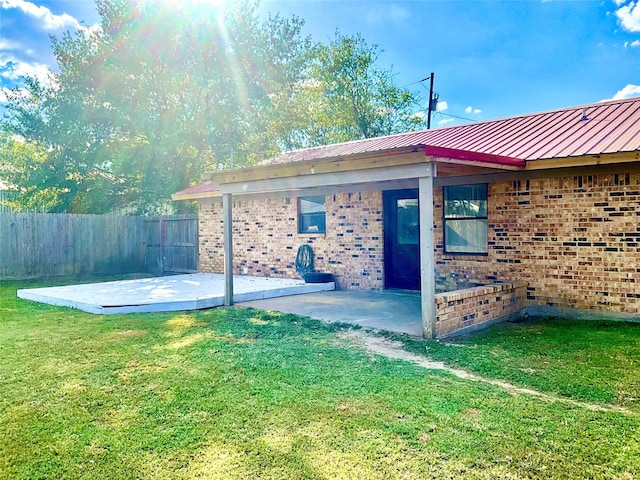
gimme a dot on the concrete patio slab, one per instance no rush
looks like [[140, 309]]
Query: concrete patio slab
[[389, 310], [165, 294]]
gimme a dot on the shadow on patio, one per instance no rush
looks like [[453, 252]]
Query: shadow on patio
[[390, 310]]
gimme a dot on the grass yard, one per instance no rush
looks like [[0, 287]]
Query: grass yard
[[236, 394], [585, 360]]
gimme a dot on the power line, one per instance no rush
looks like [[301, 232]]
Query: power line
[[417, 81], [455, 116], [431, 98]]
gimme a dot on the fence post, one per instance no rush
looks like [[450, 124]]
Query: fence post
[[163, 241]]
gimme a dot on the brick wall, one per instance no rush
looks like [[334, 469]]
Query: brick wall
[[473, 307], [575, 240], [266, 239]]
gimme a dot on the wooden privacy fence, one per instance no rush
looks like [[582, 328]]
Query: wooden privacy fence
[[172, 244], [39, 245]]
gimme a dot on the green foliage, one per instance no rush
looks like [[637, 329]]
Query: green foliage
[[167, 90], [350, 97], [19, 161], [240, 393], [163, 92]]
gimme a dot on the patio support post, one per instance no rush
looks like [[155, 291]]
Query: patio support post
[[427, 253], [227, 221]]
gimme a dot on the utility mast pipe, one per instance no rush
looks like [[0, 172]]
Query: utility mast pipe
[[430, 103]]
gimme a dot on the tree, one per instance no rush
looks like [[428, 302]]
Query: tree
[[349, 97], [18, 160], [164, 91], [160, 94]]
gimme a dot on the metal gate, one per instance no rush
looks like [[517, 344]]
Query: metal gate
[[171, 244]]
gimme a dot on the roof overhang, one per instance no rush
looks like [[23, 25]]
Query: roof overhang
[[204, 190], [476, 159], [584, 160], [390, 167]]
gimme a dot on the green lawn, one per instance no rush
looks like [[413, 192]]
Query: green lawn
[[233, 393], [591, 361]]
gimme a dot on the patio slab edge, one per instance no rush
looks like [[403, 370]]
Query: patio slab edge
[[283, 292], [53, 296]]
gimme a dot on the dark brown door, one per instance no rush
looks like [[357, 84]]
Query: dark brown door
[[401, 239]]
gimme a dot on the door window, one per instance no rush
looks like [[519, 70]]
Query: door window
[[408, 221]]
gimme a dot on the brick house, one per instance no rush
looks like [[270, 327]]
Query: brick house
[[544, 208]]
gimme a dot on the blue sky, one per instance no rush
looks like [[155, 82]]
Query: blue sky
[[491, 59]]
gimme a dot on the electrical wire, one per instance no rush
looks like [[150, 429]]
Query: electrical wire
[[455, 116], [441, 113], [413, 83]]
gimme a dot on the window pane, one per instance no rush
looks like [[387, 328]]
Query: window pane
[[465, 201], [311, 214], [408, 221], [312, 204], [312, 223], [466, 236]]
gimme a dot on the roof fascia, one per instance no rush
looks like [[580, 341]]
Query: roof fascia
[[298, 192], [491, 177], [584, 160], [194, 196], [370, 160], [327, 179], [540, 174], [453, 155]]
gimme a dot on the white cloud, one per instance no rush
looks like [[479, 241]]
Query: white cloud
[[445, 121], [635, 43], [629, 15], [50, 21], [442, 106], [8, 45], [13, 69], [629, 91], [470, 109]]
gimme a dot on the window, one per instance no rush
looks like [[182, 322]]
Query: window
[[465, 219], [408, 221], [312, 215]]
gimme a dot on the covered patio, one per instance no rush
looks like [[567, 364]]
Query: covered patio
[[388, 310], [385, 164]]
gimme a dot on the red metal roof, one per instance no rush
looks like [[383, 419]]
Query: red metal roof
[[595, 129], [206, 187], [475, 157]]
